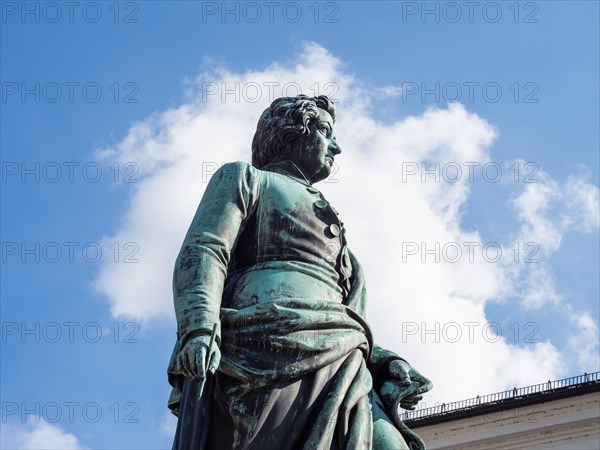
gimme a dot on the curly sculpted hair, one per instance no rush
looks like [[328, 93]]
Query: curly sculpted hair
[[282, 123]]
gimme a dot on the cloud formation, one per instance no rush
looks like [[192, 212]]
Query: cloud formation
[[429, 279], [38, 435]]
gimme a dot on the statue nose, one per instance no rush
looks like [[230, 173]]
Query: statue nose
[[335, 148]]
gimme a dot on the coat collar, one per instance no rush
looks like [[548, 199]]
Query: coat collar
[[288, 169]]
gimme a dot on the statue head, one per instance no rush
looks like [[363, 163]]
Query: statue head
[[298, 129]]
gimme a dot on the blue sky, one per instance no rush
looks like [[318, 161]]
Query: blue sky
[[135, 89]]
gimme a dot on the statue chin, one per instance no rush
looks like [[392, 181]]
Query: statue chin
[[321, 175]]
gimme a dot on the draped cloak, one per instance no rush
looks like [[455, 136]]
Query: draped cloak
[[266, 260]]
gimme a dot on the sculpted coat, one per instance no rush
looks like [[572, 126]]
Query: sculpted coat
[[266, 260]]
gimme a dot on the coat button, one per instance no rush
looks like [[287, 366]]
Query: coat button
[[321, 204], [334, 229], [312, 190]]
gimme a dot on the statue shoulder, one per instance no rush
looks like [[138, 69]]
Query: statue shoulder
[[236, 172], [238, 181], [236, 165]]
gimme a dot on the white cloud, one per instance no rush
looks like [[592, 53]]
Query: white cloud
[[390, 91], [583, 343], [539, 289], [38, 435], [583, 203], [547, 211], [383, 207], [533, 207], [168, 425]]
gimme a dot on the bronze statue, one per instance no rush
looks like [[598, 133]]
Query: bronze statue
[[273, 349]]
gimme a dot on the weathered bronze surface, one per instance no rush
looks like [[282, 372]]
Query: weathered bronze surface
[[273, 349]]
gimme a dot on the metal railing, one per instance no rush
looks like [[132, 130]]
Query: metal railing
[[496, 397]]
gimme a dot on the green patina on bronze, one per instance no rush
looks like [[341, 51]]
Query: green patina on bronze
[[266, 277]]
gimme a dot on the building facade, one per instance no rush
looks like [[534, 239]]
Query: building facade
[[558, 415]]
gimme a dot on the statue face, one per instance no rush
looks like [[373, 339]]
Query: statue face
[[316, 151]]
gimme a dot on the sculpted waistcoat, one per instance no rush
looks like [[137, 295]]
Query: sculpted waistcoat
[[293, 244], [258, 235]]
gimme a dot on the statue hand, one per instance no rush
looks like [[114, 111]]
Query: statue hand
[[404, 386], [194, 358]]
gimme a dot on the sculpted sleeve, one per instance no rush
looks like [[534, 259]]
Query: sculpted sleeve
[[201, 267]]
